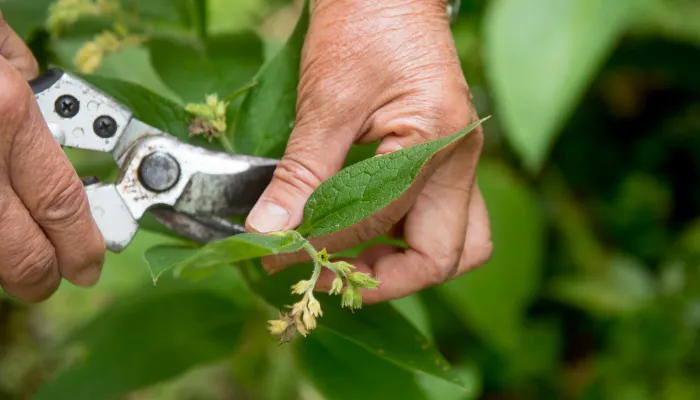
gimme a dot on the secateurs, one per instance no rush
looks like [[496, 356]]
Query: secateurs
[[191, 190]]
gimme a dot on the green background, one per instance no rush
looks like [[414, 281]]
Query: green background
[[589, 174]]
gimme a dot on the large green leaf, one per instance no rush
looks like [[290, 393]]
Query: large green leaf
[[195, 263], [540, 58], [362, 189], [378, 329], [220, 65], [268, 111], [149, 337], [341, 371], [492, 299]]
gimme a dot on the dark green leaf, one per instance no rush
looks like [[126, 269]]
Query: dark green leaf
[[234, 249], [378, 329], [342, 371], [540, 60], [268, 111], [151, 337], [492, 299], [362, 189], [151, 109], [220, 65]]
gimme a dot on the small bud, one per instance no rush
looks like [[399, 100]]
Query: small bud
[[336, 286], [309, 321], [348, 297], [301, 287], [299, 306], [363, 280], [357, 299], [301, 328], [343, 267], [277, 327], [314, 307]]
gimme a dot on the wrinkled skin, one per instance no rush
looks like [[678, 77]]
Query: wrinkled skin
[[46, 230], [388, 71]]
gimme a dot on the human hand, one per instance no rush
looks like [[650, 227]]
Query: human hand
[[46, 229], [384, 71]]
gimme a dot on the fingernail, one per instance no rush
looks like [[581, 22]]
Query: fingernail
[[89, 276], [268, 217]]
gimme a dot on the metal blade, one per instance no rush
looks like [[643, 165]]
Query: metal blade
[[226, 195], [200, 230]]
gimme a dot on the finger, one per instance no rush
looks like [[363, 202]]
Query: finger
[[28, 266], [478, 245], [435, 230], [13, 49], [314, 153], [47, 184]]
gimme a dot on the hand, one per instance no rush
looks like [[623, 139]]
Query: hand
[[46, 229], [388, 71]]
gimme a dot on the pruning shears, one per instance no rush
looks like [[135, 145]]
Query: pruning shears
[[191, 190]]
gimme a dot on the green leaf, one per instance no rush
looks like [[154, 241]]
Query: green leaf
[[540, 61], [268, 111], [231, 250], [151, 108], [24, 16], [220, 65], [150, 337], [492, 299], [362, 189], [163, 258], [413, 309], [377, 329], [342, 371]]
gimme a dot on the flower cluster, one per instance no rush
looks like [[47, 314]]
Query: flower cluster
[[63, 13], [90, 56], [210, 117], [302, 318]]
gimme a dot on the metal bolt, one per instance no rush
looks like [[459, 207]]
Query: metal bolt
[[66, 106], [159, 172], [105, 126]]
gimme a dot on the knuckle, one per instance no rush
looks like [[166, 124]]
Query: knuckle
[[15, 99], [33, 265], [63, 203], [442, 266], [297, 173]]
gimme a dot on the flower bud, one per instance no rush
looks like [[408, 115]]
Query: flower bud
[[301, 287], [336, 286], [277, 327]]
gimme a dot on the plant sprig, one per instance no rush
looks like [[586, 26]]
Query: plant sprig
[[302, 317]]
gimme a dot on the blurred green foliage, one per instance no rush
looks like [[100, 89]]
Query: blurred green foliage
[[593, 291]]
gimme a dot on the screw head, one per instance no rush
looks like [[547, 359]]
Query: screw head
[[159, 172], [105, 126], [66, 106]]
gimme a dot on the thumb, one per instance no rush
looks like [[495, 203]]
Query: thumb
[[314, 153]]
